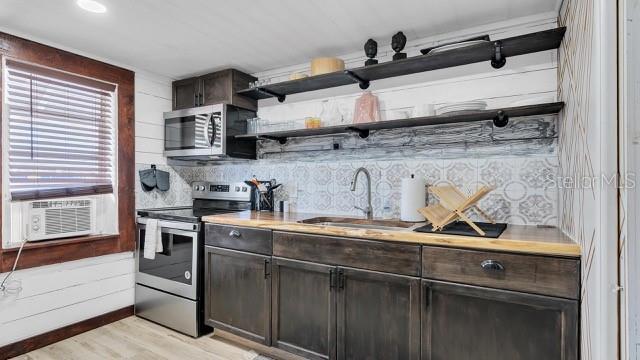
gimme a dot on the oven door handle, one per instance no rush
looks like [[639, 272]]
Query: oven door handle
[[173, 226]]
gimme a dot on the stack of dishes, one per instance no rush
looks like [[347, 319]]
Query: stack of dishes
[[461, 107]]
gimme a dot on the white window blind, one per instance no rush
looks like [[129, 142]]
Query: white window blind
[[61, 138]]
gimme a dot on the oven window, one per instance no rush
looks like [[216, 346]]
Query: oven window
[[175, 263], [187, 132]]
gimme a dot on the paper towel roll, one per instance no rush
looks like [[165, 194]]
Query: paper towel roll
[[413, 196]]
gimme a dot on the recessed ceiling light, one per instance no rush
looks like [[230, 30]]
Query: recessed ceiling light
[[92, 6]]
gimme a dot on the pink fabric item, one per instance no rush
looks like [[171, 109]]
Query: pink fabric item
[[366, 109]]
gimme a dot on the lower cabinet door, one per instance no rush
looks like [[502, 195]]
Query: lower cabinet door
[[238, 293], [303, 309], [466, 322], [378, 315]]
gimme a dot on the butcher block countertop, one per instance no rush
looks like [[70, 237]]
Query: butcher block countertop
[[516, 238]]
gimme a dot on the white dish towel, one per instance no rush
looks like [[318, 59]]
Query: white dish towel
[[152, 239]]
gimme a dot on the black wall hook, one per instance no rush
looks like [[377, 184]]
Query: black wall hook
[[501, 119], [498, 60], [364, 84]]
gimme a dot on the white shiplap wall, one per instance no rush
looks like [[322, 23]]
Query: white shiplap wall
[[153, 97], [58, 295], [54, 296]]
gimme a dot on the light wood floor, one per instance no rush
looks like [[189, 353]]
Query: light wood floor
[[136, 338]]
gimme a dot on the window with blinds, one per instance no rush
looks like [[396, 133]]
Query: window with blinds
[[61, 133]]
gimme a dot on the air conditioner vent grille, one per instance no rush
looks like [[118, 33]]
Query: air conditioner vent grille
[[60, 221]]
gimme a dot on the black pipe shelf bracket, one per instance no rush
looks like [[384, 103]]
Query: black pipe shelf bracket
[[501, 119], [498, 60], [281, 140], [364, 84], [363, 133], [281, 98]]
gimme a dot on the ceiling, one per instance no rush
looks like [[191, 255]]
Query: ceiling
[[176, 38]]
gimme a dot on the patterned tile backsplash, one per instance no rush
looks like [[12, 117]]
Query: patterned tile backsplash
[[523, 191]]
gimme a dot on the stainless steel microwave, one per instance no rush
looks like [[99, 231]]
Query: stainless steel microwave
[[207, 133]]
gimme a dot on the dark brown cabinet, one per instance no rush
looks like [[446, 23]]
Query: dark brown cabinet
[[324, 297], [214, 88], [326, 312], [304, 308], [378, 315], [469, 322], [238, 293], [186, 93]]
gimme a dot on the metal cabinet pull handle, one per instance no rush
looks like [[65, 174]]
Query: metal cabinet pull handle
[[332, 279], [427, 295], [266, 268], [234, 233], [492, 265]]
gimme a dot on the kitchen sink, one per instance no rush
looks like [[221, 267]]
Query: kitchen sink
[[356, 223]]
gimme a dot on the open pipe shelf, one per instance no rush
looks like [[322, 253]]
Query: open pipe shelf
[[496, 52], [500, 118]]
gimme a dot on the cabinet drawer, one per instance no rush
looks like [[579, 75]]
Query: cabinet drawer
[[365, 254], [238, 238], [527, 273]]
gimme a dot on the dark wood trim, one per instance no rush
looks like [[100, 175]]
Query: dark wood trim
[[58, 242], [51, 252], [57, 251], [48, 338]]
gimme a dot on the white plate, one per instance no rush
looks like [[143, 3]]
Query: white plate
[[471, 106], [472, 102], [456, 46], [456, 112]]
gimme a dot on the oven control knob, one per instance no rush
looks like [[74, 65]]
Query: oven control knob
[[187, 275], [244, 189], [237, 188]]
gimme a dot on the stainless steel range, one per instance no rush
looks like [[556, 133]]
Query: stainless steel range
[[170, 288]]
